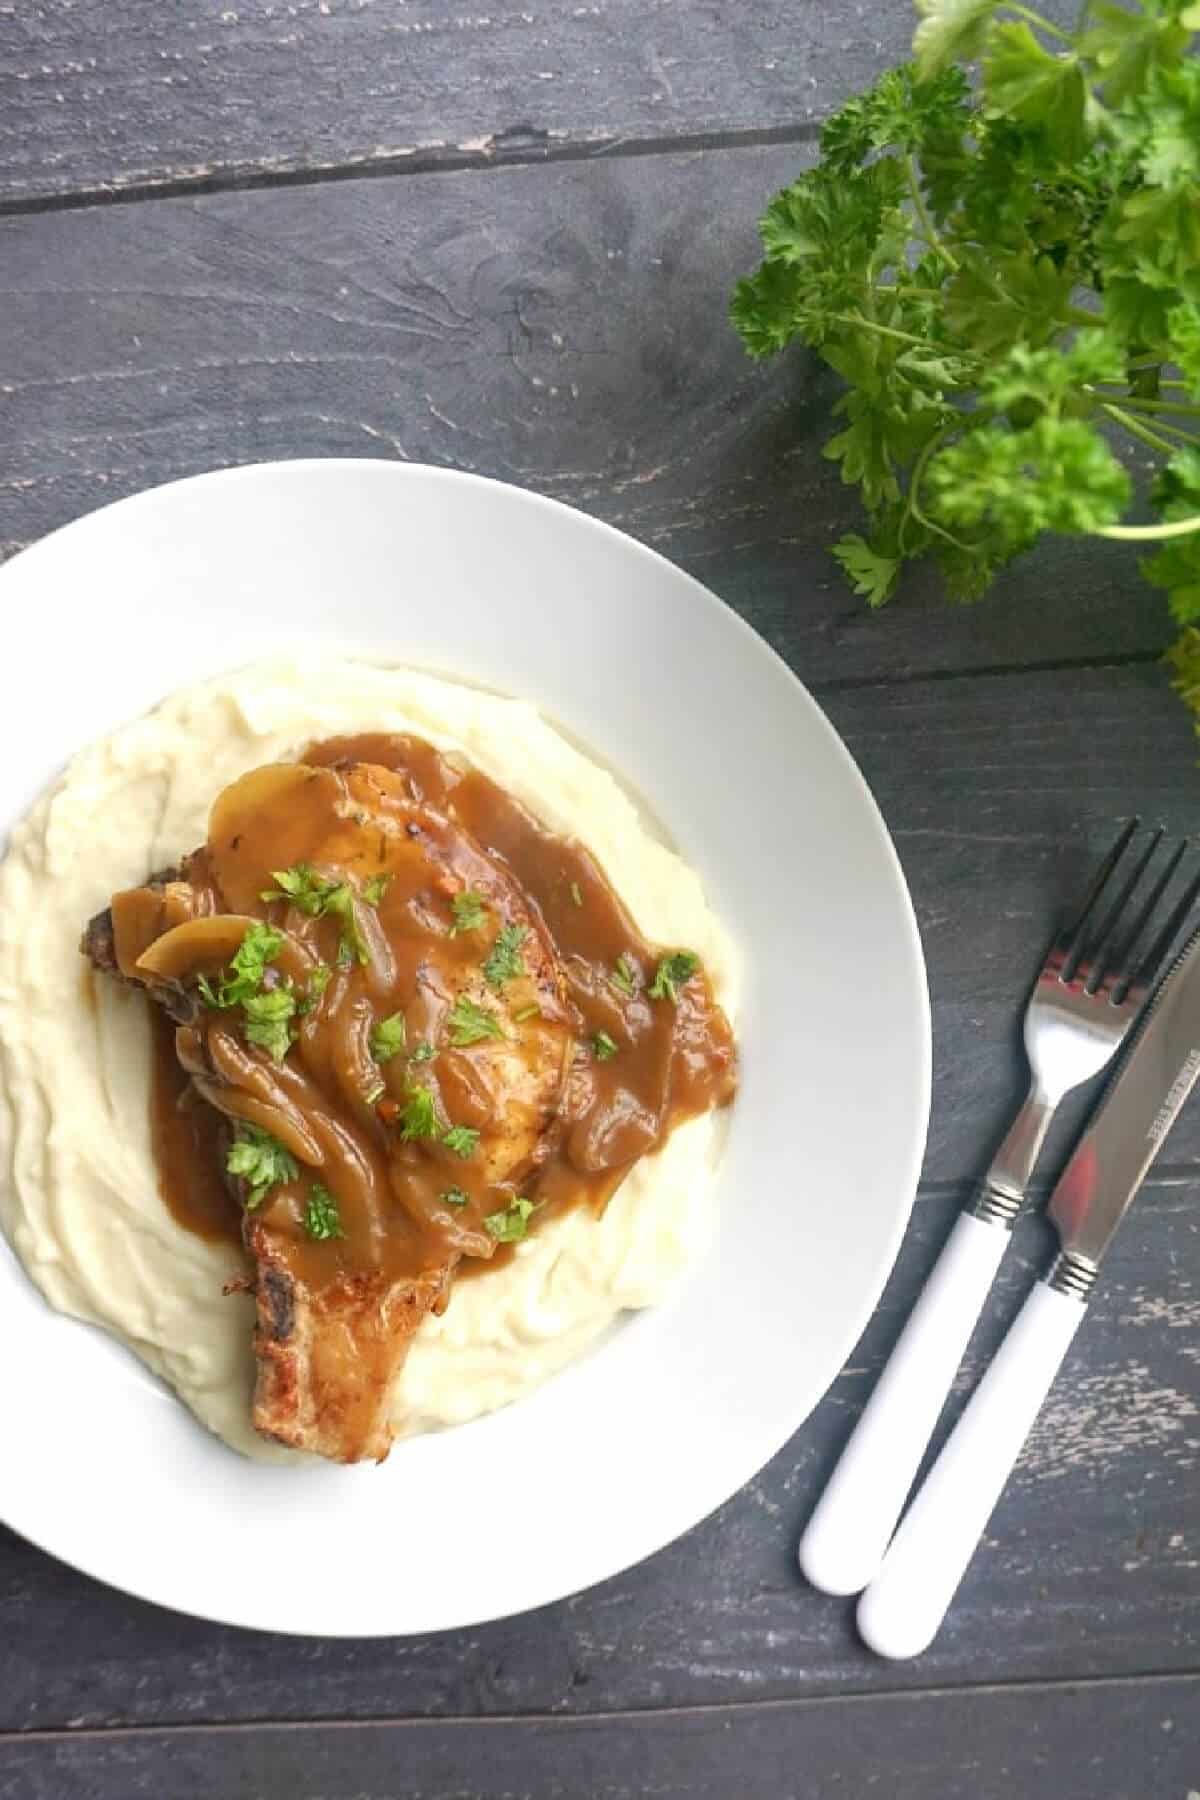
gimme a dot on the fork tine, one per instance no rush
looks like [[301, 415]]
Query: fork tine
[[1071, 938], [1149, 966], [1124, 967], [1099, 949]]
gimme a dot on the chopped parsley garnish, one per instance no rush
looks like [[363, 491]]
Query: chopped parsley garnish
[[470, 1024], [509, 1226], [261, 1161], [462, 1139], [527, 1012], [423, 1053], [300, 886], [469, 911], [603, 1045], [260, 946], [321, 1217], [453, 1196], [315, 895], [672, 972], [375, 889], [269, 1018], [505, 962], [576, 893], [318, 981], [419, 1118], [625, 977], [388, 1038], [352, 945]]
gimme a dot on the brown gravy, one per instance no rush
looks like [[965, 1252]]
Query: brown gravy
[[671, 1062]]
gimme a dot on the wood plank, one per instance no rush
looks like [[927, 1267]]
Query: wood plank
[[1091, 1565], [105, 95], [1001, 794], [561, 327], [1114, 1741]]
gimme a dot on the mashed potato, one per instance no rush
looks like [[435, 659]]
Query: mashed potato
[[79, 1198]]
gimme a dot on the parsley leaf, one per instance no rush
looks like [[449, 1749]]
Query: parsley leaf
[[388, 1038], [316, 895], [949, 29], [672, 972], [505, 962], [259, 1160], [1037, 87], [871, 574], [453, 1196], [625, 977], [269, 1018], [469, 911], [424, 1052], [462, 1139], [1176, 567], [260, 946], [470, 1024], [375, 888], [603, 1046], [1057, 475], [317, 982], [509, 1226], [321, 1217], [418, 1119]]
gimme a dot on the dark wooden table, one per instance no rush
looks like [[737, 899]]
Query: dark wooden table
[[502, 238]]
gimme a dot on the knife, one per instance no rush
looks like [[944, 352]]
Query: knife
[[900, 1611]]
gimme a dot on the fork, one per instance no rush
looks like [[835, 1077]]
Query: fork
[[1087, 995]]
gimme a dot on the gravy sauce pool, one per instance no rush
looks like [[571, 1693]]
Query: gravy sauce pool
[[596, 1113]]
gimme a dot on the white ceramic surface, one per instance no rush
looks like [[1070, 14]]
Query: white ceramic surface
[[680, 1406]]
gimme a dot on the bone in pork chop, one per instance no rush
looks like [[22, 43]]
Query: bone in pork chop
[[368, 999]]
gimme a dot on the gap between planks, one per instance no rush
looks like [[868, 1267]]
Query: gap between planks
[[1145, 1680], [505, 150]]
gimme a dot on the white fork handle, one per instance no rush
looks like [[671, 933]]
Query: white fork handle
[[901, 1610], [845, 1540]]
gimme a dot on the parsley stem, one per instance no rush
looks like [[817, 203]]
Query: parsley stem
[[927, 224], [1146, 534], [1035, 18], [911, 508], [905, 337], [1136, 404], [1177, 432], [1136, 429]]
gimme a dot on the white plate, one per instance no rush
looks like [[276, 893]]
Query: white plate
[[679, 1407]]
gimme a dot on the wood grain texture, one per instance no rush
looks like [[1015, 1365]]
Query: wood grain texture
[[564, 328], [1118, 1741], [105, 95], [1091, 1564]]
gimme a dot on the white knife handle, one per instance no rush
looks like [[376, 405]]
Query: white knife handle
[[900, 1612], [844, 1542]]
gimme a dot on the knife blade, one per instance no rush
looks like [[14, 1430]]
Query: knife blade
[[1126, 1132]]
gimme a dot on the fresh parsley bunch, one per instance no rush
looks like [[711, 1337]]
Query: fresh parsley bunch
[[999, 252]]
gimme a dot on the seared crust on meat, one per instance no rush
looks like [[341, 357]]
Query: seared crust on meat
[[305, 1395]]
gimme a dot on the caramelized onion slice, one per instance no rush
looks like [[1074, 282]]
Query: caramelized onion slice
[[200, 947]]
